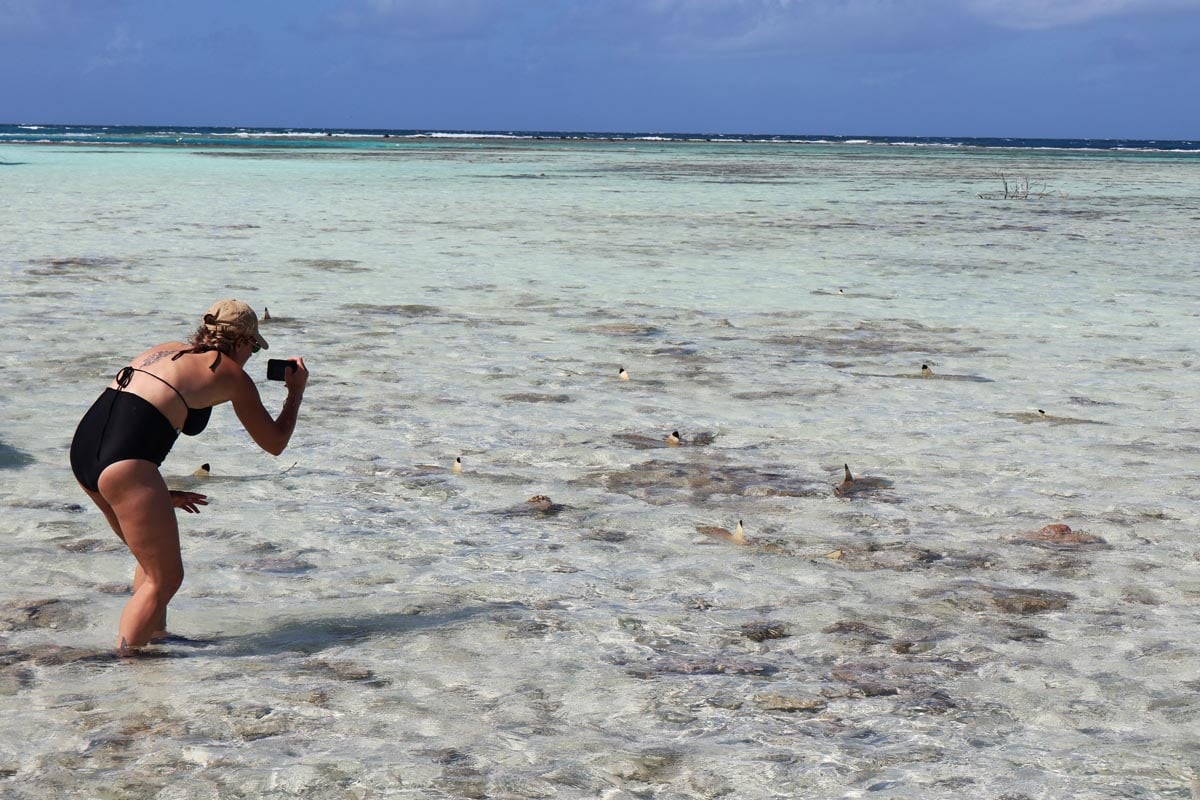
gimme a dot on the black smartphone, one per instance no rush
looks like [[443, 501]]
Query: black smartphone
[[277, 368]]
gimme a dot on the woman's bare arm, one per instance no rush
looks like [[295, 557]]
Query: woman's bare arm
[[270, 434]]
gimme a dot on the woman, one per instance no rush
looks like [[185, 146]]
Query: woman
[[124, 437]]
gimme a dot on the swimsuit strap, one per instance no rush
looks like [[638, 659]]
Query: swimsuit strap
[[201, 349], [126, 375]]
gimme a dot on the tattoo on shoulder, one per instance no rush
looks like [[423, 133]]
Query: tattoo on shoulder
[[154, 358]]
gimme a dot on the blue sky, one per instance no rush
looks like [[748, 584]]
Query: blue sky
[[1053, 68]]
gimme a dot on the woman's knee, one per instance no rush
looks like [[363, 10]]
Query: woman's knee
[[165, 584]]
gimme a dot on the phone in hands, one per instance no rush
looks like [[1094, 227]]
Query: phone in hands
[[277, 368]]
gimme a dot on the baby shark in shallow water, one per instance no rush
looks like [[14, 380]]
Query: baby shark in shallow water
[[851, 485], [1030, 417], [738, 536], [419, 475], [204, 474], [1060, 537], [843, 292], [673, 439], [925, 373]]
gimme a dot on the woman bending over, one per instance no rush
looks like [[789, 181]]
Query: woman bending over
[[125, 435]]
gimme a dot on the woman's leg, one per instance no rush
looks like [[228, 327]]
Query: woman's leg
[[145, 515], [107, 510], [139, 575]]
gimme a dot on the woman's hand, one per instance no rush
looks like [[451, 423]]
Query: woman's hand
[[188, 501], [295, 379]]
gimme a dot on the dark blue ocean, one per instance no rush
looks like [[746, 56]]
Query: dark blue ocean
[[201, 135]]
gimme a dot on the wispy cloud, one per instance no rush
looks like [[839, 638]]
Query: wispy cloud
[[1035, 14], [843, 16], [122, 48], [422, 19], [27, 16], [699, 28], [54, 18]]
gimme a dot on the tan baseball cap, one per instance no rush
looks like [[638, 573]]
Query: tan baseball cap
[[237, 315]]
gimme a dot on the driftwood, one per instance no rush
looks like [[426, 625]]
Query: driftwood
[[1016, 189]]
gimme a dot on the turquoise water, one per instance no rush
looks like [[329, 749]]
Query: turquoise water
[[383, 628]]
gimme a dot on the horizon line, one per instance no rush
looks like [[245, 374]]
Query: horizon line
[[527, 132]]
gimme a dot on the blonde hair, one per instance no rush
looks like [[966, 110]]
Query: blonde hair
[[223, 339], [217, 337]]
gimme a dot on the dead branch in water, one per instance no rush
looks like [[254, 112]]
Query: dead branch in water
[[1016, 189]]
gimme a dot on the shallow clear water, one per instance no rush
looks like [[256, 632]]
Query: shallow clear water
[[383, 628]]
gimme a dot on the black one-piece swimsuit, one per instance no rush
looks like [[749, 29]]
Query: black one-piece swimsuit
[[121, 425]]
